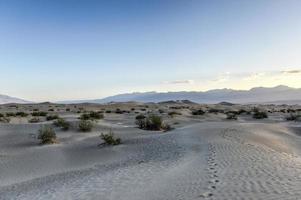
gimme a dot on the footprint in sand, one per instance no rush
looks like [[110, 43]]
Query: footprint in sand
[[206, 194]]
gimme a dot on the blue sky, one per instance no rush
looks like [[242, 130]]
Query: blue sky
[[85, 49]]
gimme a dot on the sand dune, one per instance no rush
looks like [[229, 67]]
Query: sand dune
[[200, 159]]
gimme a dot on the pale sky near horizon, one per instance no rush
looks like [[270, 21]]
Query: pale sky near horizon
[[85, 49]]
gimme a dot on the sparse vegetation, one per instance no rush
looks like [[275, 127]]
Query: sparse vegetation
[[39, 114], [293, 117], [173, 113], [110, 139], [47, 135], [92, 116], [257, 114], [21, 114], [231, 116], [52, 117], [118, 111], [34, 120], [198, 112], [152, 122], [215, 110], [10, 114], [4, 119], [140, 121], [85, 125], [62, 123]]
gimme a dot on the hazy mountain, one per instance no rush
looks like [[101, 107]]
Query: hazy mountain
[[279, 94], [4, 99]]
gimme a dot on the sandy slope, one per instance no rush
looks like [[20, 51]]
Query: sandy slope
[[208, 160]]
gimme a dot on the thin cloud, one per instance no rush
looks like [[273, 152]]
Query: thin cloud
[[296, 71], [254, 76], [179, 82], [222, 78]]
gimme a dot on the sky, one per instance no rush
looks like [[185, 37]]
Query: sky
[[53, 50]]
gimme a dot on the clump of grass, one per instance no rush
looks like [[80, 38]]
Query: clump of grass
[[62, 123], [92, 116], [140, 121], [52, 117], [34, 120], [39, 114], [10, 114], [118, 111], [257, 114], [198, 112], [85, 125], [21, 114], [231, 116], [215, 111], [109, 138], [173, 113], [293, 117], [47, 135], [4, 119], [152, 122]]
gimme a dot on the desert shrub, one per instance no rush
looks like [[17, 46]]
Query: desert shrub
[[4, 119], [10, 114], [1, 115], [47, 135], [67, 109], [34, 120], [215, 111], [52, 117], [85, 125], [260, 114], [21, 114], [39, 114], [91, 116], [108, 111], [290, 110], [140, 121], [152, 122], [231, 116], [167, 127], [173, 113], [110, 139], [198, 112], [161, 111], [293, 117], [118, 111], [62, 123], [241, 111], [132, 109], [96, 115], [51, 110], [35, 109]]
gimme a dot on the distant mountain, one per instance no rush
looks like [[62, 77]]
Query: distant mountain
[[4, 99], [278, 94]]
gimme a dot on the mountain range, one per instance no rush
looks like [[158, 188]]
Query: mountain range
[[4, 99], [278, 95]]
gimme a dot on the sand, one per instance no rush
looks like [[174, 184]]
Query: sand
[[204, 157]]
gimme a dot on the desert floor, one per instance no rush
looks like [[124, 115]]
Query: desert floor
[[203, 157]]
